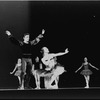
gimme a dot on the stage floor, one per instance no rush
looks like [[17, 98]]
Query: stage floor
[[61, 93], [71, 88]]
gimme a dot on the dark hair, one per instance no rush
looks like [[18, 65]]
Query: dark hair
[[26, 34]]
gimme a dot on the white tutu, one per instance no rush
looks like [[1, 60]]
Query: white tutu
[[59, 70]]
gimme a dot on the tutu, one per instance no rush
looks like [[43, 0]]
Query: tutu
[[43, 73], [18, 73], [86, 72], [58, 70]]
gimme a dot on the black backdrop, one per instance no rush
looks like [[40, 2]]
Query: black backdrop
[[72, 25]]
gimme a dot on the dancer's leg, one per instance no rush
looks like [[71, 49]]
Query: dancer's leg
[[24, 63], [49, 82], [29, 73], [22, 86], [56, 81], [52, 79], [37, 80], [22, 80], [19, 80], [55, 86], [86, 79], [46, 82]]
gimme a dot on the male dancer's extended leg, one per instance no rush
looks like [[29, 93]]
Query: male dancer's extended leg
[[24, 64]]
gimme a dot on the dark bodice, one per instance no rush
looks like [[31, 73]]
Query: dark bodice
[[86, 66], [26, 48]]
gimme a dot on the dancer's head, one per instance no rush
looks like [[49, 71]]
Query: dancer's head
[[26, 37], [37, 59], [19, 61], [85, 59], [45, 50]]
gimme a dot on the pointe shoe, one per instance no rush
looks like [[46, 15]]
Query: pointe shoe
[[52, 87], [55, 87], [86, 87], [21, 88], [37, 88]]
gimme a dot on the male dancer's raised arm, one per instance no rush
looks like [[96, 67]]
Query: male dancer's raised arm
[[37, 39], [12, 39]]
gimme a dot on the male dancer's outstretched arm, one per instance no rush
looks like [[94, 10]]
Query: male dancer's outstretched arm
[[12, 39], [37, 39]]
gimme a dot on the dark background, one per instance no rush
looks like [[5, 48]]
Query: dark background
[[72, 25]]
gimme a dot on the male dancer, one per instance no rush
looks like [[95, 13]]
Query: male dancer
[[25, 46]]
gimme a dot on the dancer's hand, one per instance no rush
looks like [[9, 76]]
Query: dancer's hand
[[37, 59], [75, 71], [11, 72], [43, 31], [8, 33], [65, 70], [66, 50], [97, 69], [40, 36]]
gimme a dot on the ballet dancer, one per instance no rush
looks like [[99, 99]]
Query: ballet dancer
[[53, 68], [19, 73], [86, 72]]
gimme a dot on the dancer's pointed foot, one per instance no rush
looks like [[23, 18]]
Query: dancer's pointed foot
[[52, 87], [21, 88], [86, 87], [37, 88]]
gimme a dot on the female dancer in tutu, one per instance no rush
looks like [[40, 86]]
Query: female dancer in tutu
[[51, 71], [86, 72], [52, 67], [19, 73]]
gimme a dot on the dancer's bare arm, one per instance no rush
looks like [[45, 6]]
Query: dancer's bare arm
[[93, 66], [79, 68], [61, 53], [14, 69]]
